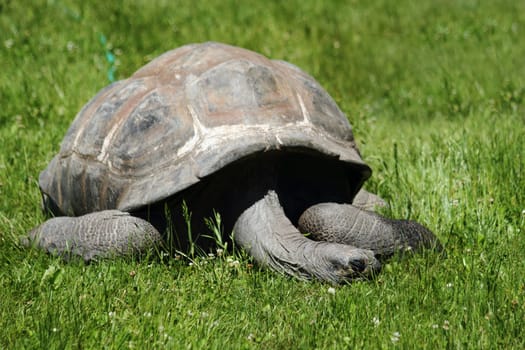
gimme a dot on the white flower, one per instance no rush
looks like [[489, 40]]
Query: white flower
[[233, 263], [395, 337], [331, 290], [71, 46], [376, 321], [9, 43], [450, 285]]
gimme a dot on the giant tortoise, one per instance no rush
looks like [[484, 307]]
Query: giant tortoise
[[219, 129]]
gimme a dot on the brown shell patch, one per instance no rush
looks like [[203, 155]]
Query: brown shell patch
[[242, 92], [93, 126], [152, 133], [322, 110]]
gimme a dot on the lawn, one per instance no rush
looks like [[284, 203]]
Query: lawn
[[435, 92]]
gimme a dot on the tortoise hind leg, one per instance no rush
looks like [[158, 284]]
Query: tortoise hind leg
[[347, 224], [97, 235]]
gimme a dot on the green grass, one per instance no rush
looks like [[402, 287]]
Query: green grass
[[435, 91]]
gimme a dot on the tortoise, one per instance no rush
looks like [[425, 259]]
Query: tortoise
[[220, 129]]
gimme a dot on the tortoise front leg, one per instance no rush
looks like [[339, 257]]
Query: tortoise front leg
[[347, 224], [268, 235]]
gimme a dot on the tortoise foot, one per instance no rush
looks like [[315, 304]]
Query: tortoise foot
[[339, 263]]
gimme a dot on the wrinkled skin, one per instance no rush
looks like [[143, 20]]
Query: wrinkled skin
[[269, 236], [274, 201], [102, 234]]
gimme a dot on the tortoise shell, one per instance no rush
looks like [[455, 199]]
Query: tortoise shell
[[182, 117]]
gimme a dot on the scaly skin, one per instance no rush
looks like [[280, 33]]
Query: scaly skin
[[348, 241], [102, 234], [347, 224], [267, 234]]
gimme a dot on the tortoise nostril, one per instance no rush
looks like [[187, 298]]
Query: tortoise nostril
[[358, 265]]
